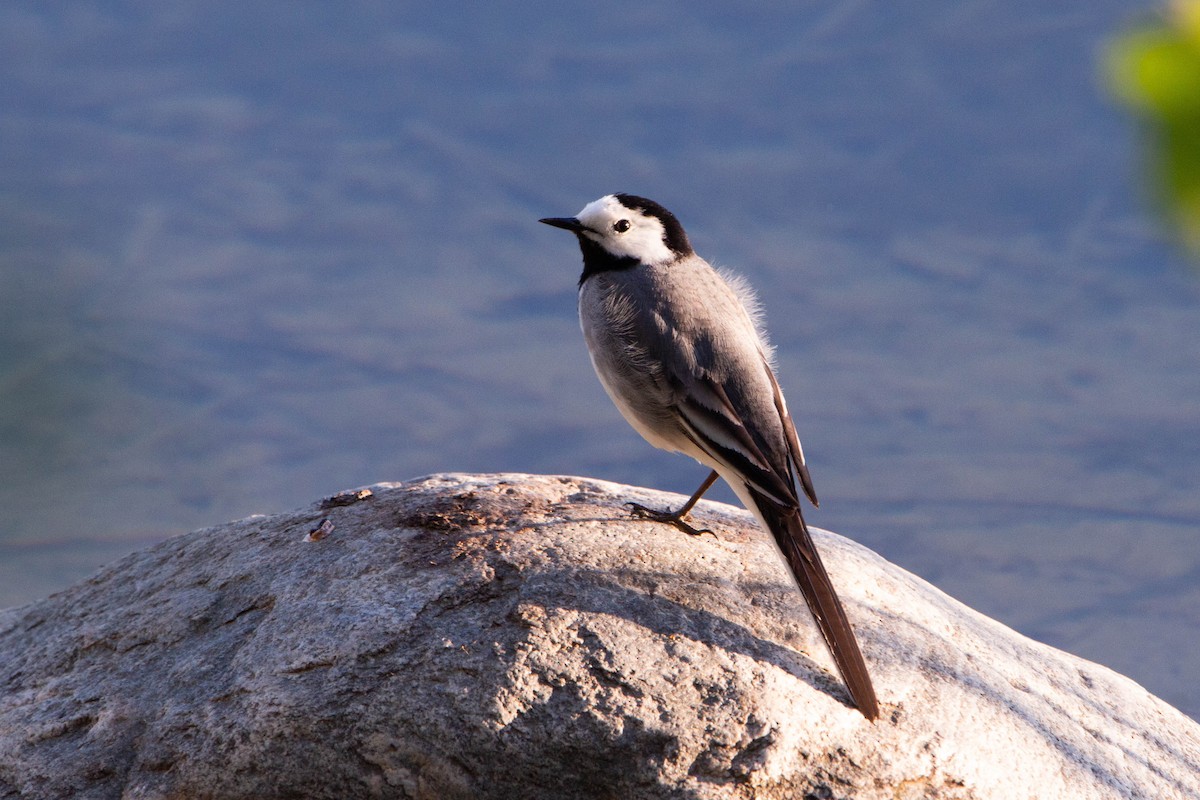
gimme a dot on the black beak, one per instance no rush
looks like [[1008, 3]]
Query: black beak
[[566, 223]]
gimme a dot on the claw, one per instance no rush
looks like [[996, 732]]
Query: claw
[[670, 517]]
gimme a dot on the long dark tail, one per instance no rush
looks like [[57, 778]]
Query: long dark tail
[[792, 536]]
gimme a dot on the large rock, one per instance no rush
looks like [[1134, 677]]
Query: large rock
[[520, 637]]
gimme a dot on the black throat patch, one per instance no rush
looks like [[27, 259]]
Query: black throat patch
[[596, 260]]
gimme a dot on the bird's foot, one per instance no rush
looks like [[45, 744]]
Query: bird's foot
[[670, 517]]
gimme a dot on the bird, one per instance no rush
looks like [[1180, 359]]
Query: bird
[[680, 348]]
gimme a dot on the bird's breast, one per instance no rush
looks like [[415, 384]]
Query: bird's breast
[[630, 360]]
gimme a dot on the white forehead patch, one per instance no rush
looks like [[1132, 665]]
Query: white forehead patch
[[643, 240]]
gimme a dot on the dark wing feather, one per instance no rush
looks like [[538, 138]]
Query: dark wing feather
[[715, 426], [793, 441]]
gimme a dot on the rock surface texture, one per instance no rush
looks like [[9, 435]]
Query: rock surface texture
[[514, 636]]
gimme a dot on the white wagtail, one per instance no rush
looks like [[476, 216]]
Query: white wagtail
[[679, 349]]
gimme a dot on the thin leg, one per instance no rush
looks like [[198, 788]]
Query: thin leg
[[676, 517]]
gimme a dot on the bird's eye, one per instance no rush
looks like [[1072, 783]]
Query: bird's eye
[[621, 225]]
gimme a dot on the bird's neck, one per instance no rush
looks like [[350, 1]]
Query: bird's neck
[[597, 260]]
